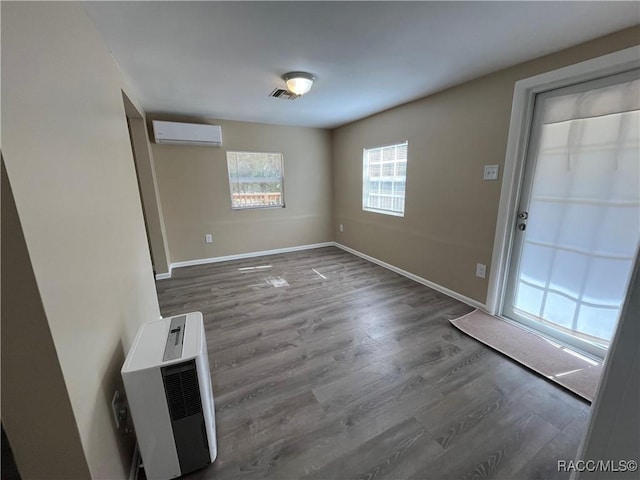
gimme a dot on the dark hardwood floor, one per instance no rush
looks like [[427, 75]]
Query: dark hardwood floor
[[353, 371]]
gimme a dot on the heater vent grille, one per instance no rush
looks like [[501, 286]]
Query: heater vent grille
[[181, 387]]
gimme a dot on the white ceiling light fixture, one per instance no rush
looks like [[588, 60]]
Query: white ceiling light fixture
[[299, 82]]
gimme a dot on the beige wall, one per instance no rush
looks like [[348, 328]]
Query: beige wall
[[450, 215], [35, 431], [68, 158], [148, 185], [194, 190]]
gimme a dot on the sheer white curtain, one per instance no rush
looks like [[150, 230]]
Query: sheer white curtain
[[584, 214]]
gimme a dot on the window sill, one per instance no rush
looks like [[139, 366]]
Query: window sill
[[266, 207], [384, 212]]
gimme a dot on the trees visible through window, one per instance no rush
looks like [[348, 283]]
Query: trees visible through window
[[255, 179], [384, 176]]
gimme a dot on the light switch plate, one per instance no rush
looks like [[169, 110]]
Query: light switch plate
[[491, 172], [208, 238], [481, 270]]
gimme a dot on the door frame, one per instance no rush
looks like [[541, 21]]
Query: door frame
[[519, 128]]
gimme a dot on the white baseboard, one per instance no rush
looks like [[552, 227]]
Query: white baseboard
[[163, 276], [240, 256], [203, 261], [469, 301]]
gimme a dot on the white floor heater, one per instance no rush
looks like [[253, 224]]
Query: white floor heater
[[168, 384]]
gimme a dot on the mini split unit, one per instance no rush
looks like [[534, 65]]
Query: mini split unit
[[187, 133]]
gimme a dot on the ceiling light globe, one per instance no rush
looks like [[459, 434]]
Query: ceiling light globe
[[299, 82]]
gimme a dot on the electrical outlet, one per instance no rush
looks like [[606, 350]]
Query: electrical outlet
[[115, 408], [481, 270], [491, 172], [208, 238], [341, 228], [120, 412]]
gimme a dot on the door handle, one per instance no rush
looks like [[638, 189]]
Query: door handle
[[522, 226], [523, 215]]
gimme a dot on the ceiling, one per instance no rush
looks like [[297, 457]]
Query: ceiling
[[222, 59]]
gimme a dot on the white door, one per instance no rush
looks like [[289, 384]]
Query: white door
[[578, 227]]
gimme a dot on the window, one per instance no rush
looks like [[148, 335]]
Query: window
[[255, 179], [384, 176]]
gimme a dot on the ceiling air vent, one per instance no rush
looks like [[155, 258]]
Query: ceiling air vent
[[283, 94]]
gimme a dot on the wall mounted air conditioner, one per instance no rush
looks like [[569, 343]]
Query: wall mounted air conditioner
[[187, 133], [168, 384]]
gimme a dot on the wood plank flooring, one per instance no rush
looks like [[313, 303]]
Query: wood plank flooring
[[353, 371]]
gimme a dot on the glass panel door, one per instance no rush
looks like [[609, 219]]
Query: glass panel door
[[578, 224]]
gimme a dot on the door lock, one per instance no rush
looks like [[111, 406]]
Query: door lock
[[522, 226], [523, 215]]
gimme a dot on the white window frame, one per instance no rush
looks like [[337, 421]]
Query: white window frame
[[366, 180], [519, 128], [254, 207]]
